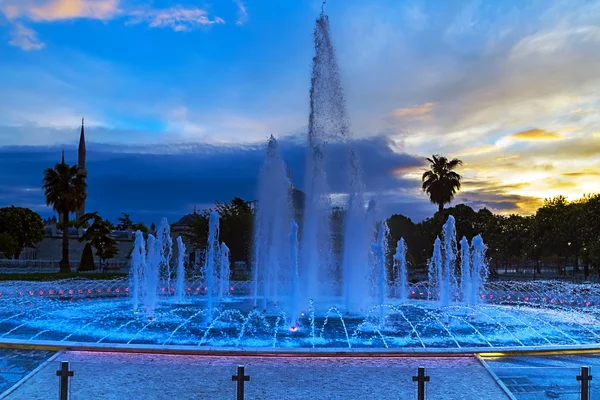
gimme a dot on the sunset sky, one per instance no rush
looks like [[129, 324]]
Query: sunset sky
[[179, 97]]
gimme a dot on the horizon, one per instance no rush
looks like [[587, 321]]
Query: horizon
[[179, 99]]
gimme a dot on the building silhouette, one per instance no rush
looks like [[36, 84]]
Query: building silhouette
[[81, 156]]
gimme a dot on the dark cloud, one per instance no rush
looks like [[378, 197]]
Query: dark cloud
[[151, 181], [497, 197]]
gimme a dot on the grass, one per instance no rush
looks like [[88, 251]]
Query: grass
[[55, 276]]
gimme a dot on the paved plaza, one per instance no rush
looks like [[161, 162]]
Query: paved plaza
[[147, 376]]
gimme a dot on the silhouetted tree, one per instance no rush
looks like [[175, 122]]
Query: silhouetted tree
[[98, 236], [65, 190], [24, 226], [441, 182]]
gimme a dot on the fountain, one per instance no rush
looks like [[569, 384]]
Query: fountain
[[479, 272], [401, 272], [465, 269], [272, 219], [295, 289], [379, 250], [301, 293], [179, 285], [224, 272]]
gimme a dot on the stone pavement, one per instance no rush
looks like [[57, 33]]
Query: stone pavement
[[146, 376]]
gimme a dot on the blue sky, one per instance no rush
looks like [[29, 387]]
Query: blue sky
[[511, 87]]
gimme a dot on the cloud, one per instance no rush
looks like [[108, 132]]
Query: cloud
[[482, 149], [25, 38], [535, 134], [586, 172], [498, 197], [242, 13], [550, 42], [418, 112], [168, 180], [56, 10], [178, 18]]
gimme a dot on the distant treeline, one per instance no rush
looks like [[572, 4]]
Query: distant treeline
[[560, 233]]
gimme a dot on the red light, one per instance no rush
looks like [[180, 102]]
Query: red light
[[20, 293], [413, 292], [117, 290], [70, 292], [127, 289], [107, 290], [526, 298], [293, 329], [51, 292], [205, 288], [41, 293], [31, 293], [587, 303], [189, 289], [89, 291], [60, 292], [80, 291], [197, 289], [552, 301], [99, 290], [231, 288], [163, 289]]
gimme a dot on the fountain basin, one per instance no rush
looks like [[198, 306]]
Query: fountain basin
[[104, 319]]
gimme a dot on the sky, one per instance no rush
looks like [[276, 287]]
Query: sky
[[179, 97]]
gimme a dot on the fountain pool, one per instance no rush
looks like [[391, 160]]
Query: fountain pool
[[510, 315]]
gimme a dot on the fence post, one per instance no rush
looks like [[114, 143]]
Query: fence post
[[64, 375], [585, 379], [240, 378], [421, 378]]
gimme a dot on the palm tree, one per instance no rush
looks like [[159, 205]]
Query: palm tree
[[441, 182], [65, 190]]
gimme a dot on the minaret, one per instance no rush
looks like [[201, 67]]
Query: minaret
[[60, 216], [81, 164]]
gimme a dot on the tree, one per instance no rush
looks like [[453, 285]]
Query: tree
[[417, 244], [23, 225], [465, 218], [87, 259], [124, 222], [555, 226], [441, 182], [237, 223], [196, 232], [8, 245], [65, 190], [140, 227], [236, 228], [98, 236]]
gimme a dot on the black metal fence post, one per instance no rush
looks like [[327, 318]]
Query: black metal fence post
[[240, 378], [585, 379], [64, 375], [421, 378]]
